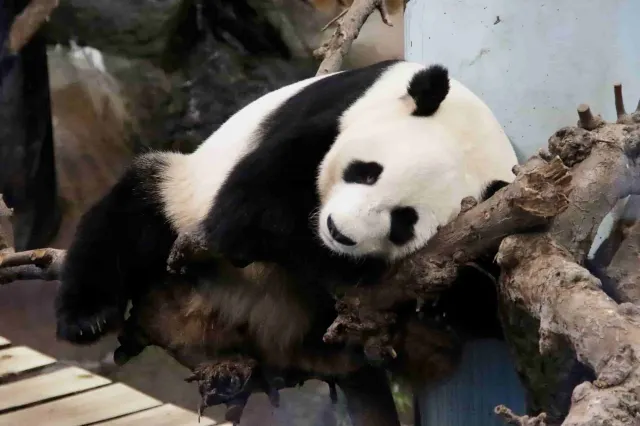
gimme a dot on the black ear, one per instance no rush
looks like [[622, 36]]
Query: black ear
[[428, 88]]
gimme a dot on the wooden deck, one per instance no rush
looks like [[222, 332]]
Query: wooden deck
[[36, 390]]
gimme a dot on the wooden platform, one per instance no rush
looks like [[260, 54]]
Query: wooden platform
[[37, 390]]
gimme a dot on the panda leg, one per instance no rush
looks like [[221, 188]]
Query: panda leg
[[120, 247]]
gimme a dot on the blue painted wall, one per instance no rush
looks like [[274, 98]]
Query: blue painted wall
[[486, 378]]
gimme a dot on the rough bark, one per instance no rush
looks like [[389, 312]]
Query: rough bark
[[624, 271], [348, 27], [544, 278]]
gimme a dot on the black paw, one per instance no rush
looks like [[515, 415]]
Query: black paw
[[87, 329]]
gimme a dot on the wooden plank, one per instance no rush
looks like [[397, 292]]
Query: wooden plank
[[4, 342], [88, 407], [46, 386], [19, 359], [165, 415]]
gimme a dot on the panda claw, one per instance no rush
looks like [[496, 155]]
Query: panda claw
[[87, 329]]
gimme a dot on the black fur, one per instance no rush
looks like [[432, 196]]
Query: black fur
[[403, 220], [428, 88], [365, 173], [491, 188], [121, 244], [262, 211]]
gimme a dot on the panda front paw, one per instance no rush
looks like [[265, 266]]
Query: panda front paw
[[87, 328]]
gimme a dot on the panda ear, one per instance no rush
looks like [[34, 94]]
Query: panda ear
[[428, 88]]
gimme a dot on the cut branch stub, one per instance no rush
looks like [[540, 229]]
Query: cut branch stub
[[619, 101], [623, 117], [587, 120]]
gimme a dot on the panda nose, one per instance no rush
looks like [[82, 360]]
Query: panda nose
[[337, 235]]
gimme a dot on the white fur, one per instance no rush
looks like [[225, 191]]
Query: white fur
[[430, 163], [193, 180]]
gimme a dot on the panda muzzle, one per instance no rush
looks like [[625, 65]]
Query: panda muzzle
[[337, 235]]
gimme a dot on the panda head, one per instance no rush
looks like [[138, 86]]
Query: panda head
[[389, 181]]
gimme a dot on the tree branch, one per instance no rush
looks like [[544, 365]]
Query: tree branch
[[347, 30], [28, 22]]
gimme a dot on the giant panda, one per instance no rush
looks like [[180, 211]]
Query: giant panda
[[328, 180]]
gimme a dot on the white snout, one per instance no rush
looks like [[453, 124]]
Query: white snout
[[351, 226]]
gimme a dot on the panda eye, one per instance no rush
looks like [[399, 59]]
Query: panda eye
[[361, 172]]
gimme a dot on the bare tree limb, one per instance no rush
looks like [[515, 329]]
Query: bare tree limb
[[28, 22], [348, 28]]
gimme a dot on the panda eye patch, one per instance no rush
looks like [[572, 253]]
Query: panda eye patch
[[365, 173], [403, 220]]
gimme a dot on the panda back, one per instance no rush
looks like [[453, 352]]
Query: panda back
[[191, 182]]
